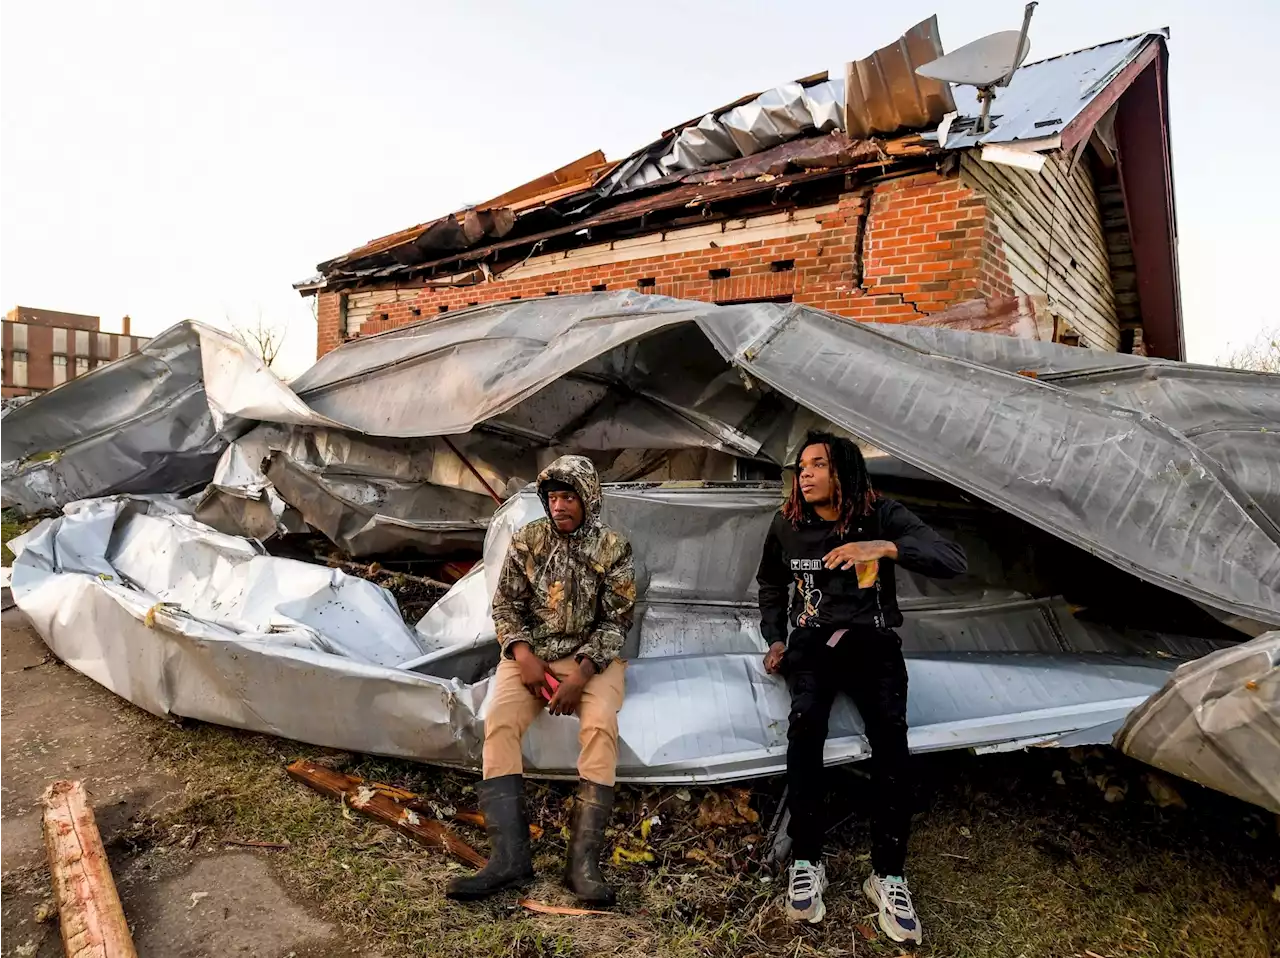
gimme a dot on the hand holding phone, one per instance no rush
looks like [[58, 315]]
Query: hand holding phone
[[553, 683]]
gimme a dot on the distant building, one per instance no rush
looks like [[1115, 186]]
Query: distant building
[[43, 348]]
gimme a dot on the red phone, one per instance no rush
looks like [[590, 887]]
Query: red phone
[[551, 681]]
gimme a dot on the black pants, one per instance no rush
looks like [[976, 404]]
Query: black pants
[[866, 664]]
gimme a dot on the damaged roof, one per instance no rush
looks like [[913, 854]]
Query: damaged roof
[[769, 143], [1047, 96]]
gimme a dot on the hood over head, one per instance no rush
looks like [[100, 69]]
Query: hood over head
[[580, 473]]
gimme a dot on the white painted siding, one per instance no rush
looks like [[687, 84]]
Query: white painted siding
[[363, 305], [1051, 228]]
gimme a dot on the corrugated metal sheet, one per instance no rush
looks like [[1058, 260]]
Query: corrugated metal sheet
[[1044, 97], [1063, 462], [883, 93], [1050, 227]]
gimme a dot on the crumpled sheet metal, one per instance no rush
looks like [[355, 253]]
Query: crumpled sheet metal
[[154, 421], [442, 378], [185, 621], [1217, 722], [660, 393], [772, 118], [1230, 414], [698, 703], [367, 494], [1110, 478], [888, 96]]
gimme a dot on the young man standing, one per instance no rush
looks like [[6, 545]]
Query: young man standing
[[561, 610], [837, 542]]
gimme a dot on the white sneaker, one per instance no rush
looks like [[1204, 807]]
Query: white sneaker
[[897, 915], [805, 886]]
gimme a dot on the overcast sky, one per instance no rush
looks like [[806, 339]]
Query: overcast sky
[[177, 160]]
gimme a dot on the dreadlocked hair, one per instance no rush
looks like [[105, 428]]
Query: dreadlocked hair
[[852, 494]]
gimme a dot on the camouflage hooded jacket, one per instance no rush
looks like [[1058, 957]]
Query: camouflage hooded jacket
[[567, 594]]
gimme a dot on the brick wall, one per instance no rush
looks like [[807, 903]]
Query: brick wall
[[926, 246], [39, 353]]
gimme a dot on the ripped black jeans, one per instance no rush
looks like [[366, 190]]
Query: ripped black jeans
[[867, 664]]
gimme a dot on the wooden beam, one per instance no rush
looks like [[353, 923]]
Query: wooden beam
[[369, 801], [89, 910]]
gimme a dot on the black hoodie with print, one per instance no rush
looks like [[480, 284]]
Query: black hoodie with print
[[839, 598]]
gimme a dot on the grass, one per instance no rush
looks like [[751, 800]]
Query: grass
[[1005, 862], [11, 526]]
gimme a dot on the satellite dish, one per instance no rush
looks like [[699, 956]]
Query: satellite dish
[[986, 63], [983, 62]]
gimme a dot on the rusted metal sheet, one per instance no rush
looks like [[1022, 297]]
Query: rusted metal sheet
[[813, 153], [883, 94]]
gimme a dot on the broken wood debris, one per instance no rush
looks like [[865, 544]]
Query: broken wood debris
[[89, 910], [476, 818], [544, 909], [383, 807], [372, 570]]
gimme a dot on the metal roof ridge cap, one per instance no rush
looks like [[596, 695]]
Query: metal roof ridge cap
[[1153, 32]]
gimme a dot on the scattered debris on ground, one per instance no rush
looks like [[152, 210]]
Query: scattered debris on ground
[[1005, 860], [385, 804]]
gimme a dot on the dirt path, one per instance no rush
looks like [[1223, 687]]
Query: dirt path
[[181, 903]]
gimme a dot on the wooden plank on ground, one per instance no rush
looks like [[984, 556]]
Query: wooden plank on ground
[[89, 910], [381, 807]]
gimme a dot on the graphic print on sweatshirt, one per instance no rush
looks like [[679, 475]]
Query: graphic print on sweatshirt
[[811, 597], [868, 574]]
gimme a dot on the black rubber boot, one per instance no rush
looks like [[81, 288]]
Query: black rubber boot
[[510, 862], [591, 814]]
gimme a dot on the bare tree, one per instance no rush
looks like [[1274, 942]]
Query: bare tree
[[1262, 354], [262, 338]]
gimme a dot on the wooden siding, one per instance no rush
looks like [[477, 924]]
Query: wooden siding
[[1115, 224], [368, 304], [1050, 226]]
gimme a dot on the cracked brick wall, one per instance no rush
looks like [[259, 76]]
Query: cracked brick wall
[[891, 252]]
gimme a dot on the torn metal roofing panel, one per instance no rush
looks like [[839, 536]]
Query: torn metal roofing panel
[[1228, 414], [445, 376], [884, 93], [154, 421], [1109, 478], [1043, 98], [1217, 722]]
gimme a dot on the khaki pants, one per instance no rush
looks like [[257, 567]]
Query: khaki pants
[[512, 709]]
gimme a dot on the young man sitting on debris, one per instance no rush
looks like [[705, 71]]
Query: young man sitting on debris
[[837, 542], [562, 609]]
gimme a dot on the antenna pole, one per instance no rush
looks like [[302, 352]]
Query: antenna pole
[[1022, 38]]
